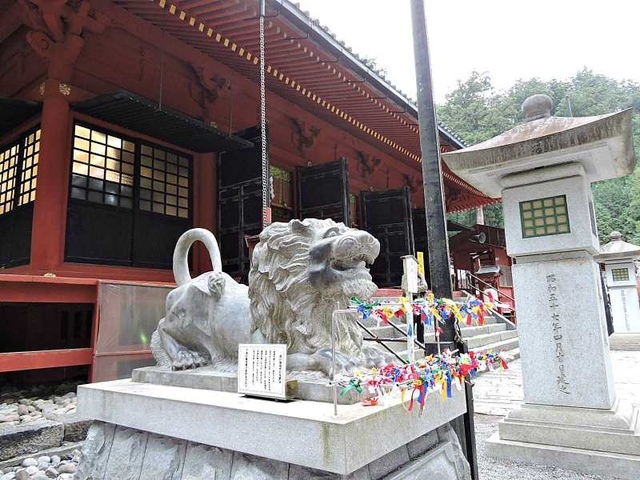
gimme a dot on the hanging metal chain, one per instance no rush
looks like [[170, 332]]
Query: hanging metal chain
[[263, 126]]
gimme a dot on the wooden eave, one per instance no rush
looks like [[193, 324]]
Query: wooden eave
[[305, 65]]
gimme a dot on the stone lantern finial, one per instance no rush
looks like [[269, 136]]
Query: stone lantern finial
[[536, 107], [615, 236]]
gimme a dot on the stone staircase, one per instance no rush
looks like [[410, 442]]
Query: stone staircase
[[494, 335]]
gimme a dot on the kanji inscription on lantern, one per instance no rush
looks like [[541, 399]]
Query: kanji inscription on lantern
[[556, 325], [262, 370]]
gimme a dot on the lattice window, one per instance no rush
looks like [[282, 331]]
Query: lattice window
[[29, 173], [620, 274], [9, 158], [544, 216], [102, 168], [164, 182]]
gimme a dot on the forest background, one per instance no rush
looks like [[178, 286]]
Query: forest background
[[476, 111]]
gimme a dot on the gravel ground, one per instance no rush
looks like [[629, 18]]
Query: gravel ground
[[20, 406], [492, 469], [44, 468]]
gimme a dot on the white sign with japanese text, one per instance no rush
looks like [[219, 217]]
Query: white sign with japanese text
[[410, 277], [262, 370]]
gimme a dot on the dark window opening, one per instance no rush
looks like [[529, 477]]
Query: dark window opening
[[44, 326], [18, 178], [129, 201]]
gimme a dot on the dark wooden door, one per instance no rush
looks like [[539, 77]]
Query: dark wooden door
[[323, 191], [387, 216], [239, 203]]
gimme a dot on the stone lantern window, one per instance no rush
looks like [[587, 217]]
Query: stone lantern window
[[544, 216], [620, 274]]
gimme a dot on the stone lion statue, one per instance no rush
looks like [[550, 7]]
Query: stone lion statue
[[301, 272]]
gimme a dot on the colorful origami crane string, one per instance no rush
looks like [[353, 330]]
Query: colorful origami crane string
[[415, 381], [431, 311]]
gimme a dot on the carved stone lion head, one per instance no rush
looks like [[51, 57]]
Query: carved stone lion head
[[303, 270]]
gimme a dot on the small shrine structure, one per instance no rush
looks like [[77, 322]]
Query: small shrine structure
[[619, 262]]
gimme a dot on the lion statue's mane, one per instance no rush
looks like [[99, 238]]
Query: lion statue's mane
[[285, 307]]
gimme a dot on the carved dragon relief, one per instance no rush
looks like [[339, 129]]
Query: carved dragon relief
[[210, 85], [367, 164], [302, 138]]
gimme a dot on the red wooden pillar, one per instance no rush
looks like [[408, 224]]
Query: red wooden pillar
[[205, 205], [49, 213]]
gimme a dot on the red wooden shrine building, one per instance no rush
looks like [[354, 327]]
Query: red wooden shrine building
[[125, 122]]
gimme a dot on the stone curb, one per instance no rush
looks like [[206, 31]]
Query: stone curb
[[25, 439], [61, 451]]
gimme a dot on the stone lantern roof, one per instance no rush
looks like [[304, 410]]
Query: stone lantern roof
[[617, 249], [602, 144]]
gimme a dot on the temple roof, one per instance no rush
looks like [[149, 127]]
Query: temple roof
[[306, 65]]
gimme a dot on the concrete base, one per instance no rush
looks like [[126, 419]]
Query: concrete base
[[625, 341], [594, 441], [300, 435]]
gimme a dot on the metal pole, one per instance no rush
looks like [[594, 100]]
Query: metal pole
[[437, 240], [332, 377]]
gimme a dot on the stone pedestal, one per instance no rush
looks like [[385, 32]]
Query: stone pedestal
[[189, 433], [595, 441], [561, 330], [543, 170]]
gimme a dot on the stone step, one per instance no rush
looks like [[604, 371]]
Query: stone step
[[490, 338], [398, 347], [502, 345], [513, 354], [488, 320], [468, 332], [386, 331]]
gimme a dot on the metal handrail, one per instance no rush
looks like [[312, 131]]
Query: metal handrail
[[469, 274]]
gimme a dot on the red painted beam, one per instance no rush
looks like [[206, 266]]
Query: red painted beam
[[17, 361], [47, 292]]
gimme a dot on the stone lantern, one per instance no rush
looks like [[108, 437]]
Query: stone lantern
[[543, 170], [618, 258]]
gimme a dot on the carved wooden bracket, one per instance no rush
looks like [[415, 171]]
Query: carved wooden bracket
[[301, 137], [56, 31]]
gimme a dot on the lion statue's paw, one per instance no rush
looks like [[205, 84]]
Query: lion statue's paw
[[188, 359]]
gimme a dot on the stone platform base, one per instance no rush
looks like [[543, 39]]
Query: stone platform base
[[308, 386], [601, 442], [112, 452], [625, 341], [248, 438]]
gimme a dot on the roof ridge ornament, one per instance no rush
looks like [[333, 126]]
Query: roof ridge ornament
[[536, 107]]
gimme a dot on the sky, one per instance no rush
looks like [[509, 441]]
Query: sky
[[508, 39]]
